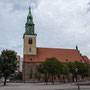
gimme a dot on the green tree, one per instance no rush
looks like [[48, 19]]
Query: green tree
[[8, 63], [65, 71], [41, 70], [71, 69], [31, 75], [38, 76], [35, 75], [82, 69], [0, 74], [17, 76], [88, 72], [51, 67]]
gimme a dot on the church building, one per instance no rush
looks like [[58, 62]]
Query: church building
[[33, 55]]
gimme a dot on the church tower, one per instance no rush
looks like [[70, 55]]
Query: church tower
[[29, 36]]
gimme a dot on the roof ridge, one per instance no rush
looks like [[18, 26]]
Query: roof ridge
[[55, 48]]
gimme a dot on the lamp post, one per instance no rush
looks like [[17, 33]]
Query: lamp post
[[77, 78], [76, 74]]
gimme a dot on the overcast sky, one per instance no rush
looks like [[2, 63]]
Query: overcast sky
[[58, 24]]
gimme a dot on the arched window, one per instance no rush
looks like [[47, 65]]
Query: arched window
[[30, 41], [30, 50], [31, 73]]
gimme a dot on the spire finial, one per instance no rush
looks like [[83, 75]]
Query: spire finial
[[29, 27], [29, 10]]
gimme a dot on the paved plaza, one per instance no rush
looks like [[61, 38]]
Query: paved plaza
[[41, 86]]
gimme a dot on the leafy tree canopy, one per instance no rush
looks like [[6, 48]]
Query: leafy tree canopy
[[8, 63], [82, 68], [52, 66], [65, 70]]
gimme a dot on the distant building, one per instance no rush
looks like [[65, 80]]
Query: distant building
[[33, 56], [18, 64], [21, 64]]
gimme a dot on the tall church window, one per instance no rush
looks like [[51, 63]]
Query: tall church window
[[31, 73], [30, 41], [30, 50], [35, 75]]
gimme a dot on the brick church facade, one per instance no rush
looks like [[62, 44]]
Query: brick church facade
[[33, 56]]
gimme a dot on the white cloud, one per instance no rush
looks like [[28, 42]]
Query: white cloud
[[60, 24]]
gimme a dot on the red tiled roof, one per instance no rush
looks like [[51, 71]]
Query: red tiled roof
[[60, 54], [86, 59]]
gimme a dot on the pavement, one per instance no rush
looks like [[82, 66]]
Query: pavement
[[42, 86]]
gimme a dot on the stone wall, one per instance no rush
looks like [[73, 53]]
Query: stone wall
[[27, 69]]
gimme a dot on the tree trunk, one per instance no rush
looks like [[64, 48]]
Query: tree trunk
[[82, 78], [72, 78], [59, 80], [5, 80], [76, 78], [68, 80], [63, 79], [52, 80], [46, 79]]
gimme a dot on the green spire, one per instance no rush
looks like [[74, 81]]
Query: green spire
[[29, 14], [29, 27], [29, 17]]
